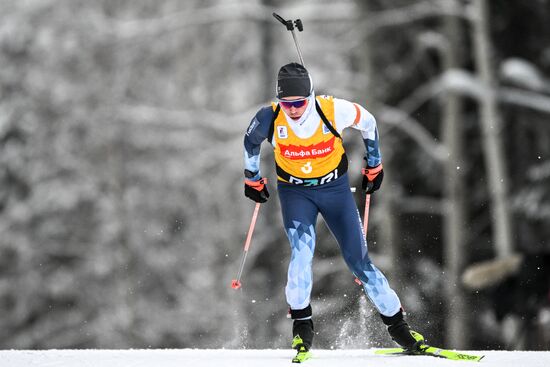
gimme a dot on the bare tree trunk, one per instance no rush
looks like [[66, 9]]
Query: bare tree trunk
[[268, 68], [454, 252], [491, 130], [385, 199], [124, 305]]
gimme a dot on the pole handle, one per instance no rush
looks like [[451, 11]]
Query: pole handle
[[288, 23], [290, 27]]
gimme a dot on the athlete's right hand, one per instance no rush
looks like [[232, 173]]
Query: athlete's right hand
[[256, 190]]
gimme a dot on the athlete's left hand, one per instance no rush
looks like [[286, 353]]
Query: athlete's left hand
[[372, 178]]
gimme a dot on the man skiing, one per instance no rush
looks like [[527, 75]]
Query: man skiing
[[311, 164]]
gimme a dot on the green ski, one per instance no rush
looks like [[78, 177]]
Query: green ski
[[426, 350]]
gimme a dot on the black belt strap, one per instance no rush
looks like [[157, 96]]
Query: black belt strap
[[326, 121], [272, 125], [341, 169]]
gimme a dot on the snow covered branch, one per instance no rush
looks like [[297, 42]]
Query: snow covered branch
[[403, 121]]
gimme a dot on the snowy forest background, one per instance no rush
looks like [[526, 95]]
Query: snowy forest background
[[122, 215]]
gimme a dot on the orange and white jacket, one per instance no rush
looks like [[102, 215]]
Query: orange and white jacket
[[306, 151]]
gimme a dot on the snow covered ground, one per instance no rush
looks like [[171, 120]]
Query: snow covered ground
[[256, 358]]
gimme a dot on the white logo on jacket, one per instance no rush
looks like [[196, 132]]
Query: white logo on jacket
[[252, 126], [306, 168], [282, 132]]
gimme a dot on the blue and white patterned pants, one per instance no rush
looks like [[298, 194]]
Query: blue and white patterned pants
[[334, 201]]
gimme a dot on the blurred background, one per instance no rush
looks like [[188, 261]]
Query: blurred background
[[122, 214]]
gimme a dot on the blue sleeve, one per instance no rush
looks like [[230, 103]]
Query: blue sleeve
[[255, 134], [372, 155]]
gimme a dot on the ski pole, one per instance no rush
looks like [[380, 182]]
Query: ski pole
[[365, 224], [236, 283], [290, 27], [366, 215]]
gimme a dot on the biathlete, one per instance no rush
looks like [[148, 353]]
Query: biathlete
[[311, 164]]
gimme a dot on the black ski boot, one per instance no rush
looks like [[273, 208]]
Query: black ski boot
[[302, 331], [401, 332]]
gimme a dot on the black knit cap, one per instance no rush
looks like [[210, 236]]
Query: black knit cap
[[293, 80]]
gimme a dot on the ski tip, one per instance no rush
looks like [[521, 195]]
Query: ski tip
[[235, 284], [431, 351], [467, 357]]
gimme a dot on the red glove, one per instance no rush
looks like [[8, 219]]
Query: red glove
[[256, 190], [372, 178]]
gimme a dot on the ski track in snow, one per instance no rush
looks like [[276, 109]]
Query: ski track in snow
[[256, 358]]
